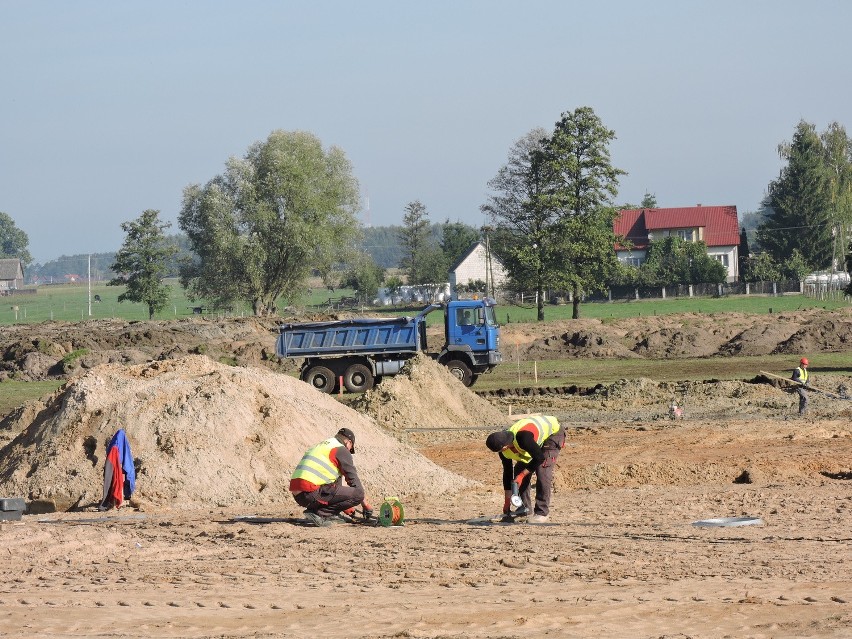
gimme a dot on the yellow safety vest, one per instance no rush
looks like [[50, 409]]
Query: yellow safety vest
[[803, 374], [546, 426], [316, 466]]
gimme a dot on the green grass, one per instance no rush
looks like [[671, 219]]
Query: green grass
[[585, 373], [70, 303], [14, 394]]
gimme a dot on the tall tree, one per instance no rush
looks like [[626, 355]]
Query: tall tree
[[743, 254], [524, 226], [585, 183], [800, 203], [259, 229], [423, 262], [837, 149], [649, 201], [141, 262], [13, 241], [456, 238]]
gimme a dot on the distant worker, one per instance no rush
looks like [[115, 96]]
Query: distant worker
[[800, 376], [467, 320], [317, 483], [530, 445]]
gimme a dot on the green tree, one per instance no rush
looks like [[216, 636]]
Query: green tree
[[800, 203], [837, 149], [141, 262], [423, 262], [762, 268], [672, 260], [795, 267], [456, 238], [585, 182], [259, 229], [743, 254], [525, 228], [13, 241], [365, 276], [649, 201]]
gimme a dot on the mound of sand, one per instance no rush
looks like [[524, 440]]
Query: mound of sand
[[426, 395], [202, 433], [582, 343]]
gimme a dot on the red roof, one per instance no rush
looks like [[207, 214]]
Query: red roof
[[721, 225]]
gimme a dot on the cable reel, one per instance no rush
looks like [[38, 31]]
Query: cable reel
[[391, 512]]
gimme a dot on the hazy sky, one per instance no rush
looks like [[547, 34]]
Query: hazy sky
[[111, 108]]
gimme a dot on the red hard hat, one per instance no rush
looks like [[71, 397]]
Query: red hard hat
[[804, 361]]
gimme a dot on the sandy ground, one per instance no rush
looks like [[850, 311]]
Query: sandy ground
[[620, 560], [212, 545]]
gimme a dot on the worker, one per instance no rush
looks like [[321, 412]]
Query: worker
[[317, 483], [530, 446], [800, 376]]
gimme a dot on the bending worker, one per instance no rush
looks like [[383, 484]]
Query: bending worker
[[800, 376], [317, 483], [530, 445]]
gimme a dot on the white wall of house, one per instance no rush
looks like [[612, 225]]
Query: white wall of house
[[728, 256], [472, 268]]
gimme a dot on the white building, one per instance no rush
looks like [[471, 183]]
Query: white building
[[476, 265]]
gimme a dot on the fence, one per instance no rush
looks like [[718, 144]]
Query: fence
[[820, 290]]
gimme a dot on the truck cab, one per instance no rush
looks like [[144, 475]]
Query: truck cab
[[472, 339]]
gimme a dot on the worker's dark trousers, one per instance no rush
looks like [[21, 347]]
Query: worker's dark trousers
[[803, 400], [331, 499], [543, 476]]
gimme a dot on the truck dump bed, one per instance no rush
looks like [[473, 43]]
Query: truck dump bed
[[347, 337]]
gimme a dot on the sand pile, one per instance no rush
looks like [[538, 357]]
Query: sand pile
[[202, 433], [426, 395]]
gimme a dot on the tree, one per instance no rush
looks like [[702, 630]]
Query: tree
[[837, 149], [423, 262], [523, 225], [762, 268], [456, 238], [800, 203], [259, 229], [795, 268], [141, 262], [649, 201], [743, 254], [675, 261], [585, 182], [13, 241], [365, 276]]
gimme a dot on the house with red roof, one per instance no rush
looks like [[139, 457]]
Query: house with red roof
[[716, 226]]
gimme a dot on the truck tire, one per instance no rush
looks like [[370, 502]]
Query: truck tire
[[321, 378], [358, 378], [461, 371]]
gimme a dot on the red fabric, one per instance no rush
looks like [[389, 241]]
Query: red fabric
[[116, 487]]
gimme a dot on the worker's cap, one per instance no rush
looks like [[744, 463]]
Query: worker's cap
[[348, 434], [804, 361], [499, 440]]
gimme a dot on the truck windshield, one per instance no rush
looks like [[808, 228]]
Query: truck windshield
[[490, 317]]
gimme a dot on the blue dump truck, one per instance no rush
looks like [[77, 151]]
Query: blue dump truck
[[362, 351]]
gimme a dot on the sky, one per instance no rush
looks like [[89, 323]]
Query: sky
[[111, 108]]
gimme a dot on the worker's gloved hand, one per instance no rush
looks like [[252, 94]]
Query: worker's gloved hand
[[368, 514], [519, 478]]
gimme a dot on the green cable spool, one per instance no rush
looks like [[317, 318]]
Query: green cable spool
[[391, 512]]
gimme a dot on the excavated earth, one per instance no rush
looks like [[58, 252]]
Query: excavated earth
[[212, 545]]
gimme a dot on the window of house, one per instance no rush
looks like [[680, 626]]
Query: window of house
[[685, 234], [723, 258], [635, 261]]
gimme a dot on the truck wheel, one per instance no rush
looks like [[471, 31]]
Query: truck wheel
[[321, 378], [461, 371], [358, 378]]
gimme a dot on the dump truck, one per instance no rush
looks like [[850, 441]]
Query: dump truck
[[358, 353]]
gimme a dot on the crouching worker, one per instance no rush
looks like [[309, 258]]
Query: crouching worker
[[317, 483], [530, 446]]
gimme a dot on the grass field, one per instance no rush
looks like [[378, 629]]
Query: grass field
[[71, 303]]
